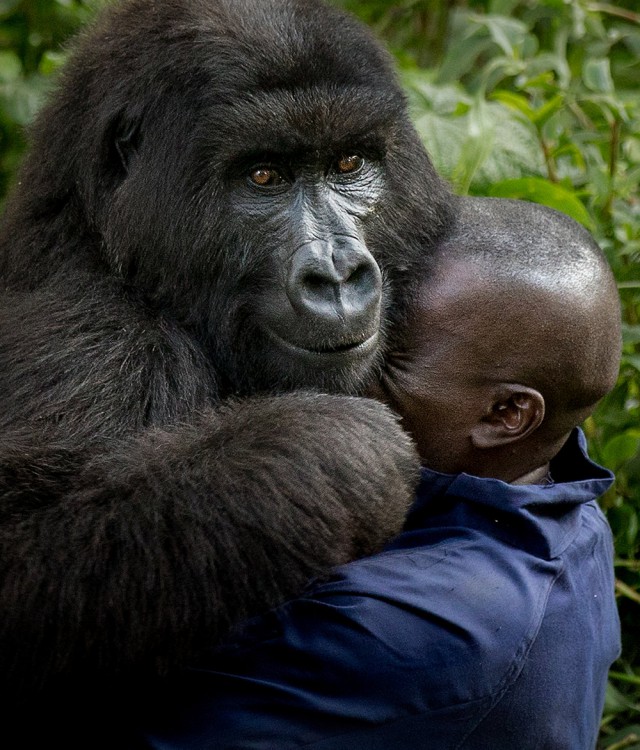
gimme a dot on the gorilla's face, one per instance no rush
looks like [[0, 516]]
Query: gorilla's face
[[262, 183], [321, 310], [303, 194]]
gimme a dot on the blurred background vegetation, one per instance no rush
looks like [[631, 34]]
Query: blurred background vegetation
[[513, 98]]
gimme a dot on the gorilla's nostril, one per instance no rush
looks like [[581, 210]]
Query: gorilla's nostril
[[357, 283], [316, 283], [362, 277]]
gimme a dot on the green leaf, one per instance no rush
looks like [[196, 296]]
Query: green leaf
[[7, 6], [633, 360], [476, 147], [620, 449], [424, 94], [508, 33], [614, 701], [630, 333], [515, 149], [21, 100], [520, 103], [50, 62], [548, 109], [596, 75], [514, 101], [443, 138], [626, 739], [10, 66], [462, 52], [542, 191]]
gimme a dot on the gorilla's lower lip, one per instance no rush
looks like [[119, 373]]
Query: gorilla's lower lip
[[333, 354]]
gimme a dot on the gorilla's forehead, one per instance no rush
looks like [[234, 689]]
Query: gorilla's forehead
[[319, 118]]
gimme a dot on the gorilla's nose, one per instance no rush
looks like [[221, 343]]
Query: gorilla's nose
[[335, 282]]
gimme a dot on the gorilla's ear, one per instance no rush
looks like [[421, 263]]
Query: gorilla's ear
[[514, 413], [124, 137]]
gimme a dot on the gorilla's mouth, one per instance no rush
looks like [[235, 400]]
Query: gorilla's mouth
[[330, 353]]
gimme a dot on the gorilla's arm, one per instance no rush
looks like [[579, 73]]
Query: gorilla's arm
[[132, 551]]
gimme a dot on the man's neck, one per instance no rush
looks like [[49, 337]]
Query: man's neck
[[539, 475]]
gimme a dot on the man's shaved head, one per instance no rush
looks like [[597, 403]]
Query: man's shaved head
[[550, 296], [517, 295]]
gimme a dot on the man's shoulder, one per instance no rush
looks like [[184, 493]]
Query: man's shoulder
[[429, 612]]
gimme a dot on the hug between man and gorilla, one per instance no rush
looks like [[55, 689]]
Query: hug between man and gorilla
[[213, 241]]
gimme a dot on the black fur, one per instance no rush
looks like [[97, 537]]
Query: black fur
[[158, 482]]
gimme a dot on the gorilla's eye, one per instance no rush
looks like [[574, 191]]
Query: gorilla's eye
[[349, 164], [265, 176]]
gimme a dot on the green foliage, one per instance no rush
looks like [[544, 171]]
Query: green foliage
[[31, 32], [513, 98]]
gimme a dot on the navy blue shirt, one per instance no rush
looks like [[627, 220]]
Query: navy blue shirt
[[490, 622]]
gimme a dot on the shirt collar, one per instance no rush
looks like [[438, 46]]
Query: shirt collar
[[541, 512], [577, 479]]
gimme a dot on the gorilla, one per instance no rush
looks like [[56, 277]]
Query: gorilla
[[214, 236]]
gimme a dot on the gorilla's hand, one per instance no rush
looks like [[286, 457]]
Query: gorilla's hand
[[158, 544], [350, 463]]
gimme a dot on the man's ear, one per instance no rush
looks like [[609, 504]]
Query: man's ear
[[514, 412]]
